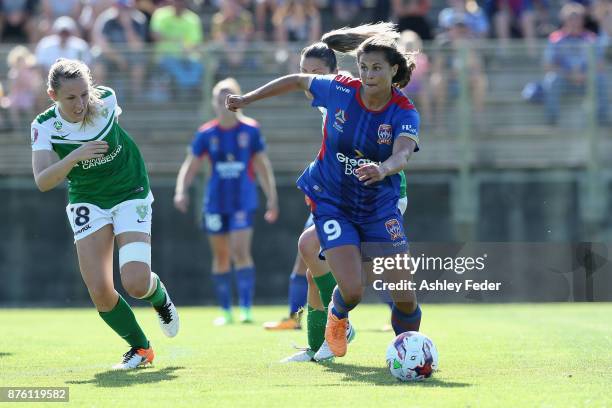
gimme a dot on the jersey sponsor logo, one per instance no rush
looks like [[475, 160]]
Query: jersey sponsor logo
[[85, 228], [88, 164], [351, 164], [394, 229], [340, 119], [229, 169], [34, 135], [243, 140], [57, 125], [410, 129], [384, 134], [342, 89]]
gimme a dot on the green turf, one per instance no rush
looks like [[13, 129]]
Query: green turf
[[553, 355]]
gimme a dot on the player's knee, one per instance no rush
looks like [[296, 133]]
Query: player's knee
[[135, 281], [102, 295], [352, 294], [308, 245]]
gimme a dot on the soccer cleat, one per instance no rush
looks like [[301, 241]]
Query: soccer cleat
[[325, 354], [335, 333], [289, 323], [135, 357], [168, 316], [246, 316], [225, 319], [304, 356]]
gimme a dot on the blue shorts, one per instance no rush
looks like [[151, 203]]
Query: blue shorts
[[226, 223], [335, 229]]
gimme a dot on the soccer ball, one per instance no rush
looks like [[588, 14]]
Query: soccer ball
[[412, 356]]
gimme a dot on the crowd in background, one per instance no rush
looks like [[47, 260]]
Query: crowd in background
[[112, 36]]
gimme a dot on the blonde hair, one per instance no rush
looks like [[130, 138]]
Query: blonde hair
[[379, 37], [410, 41], [63, 69], [227, 84], [18, 52]]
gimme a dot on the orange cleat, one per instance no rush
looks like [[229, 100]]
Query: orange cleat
[[289, 323], [136, 357], [335, 333]]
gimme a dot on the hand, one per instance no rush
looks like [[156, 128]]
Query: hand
[[235, 102], [271, 214], [89, 150], [181, 202], [371, 173]]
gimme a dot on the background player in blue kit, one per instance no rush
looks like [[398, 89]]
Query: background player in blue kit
[[371, 129], [235, 149]]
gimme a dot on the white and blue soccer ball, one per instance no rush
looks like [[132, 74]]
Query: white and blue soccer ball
[[412, 356]]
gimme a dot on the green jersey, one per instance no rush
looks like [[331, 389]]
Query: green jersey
[[107, 181]]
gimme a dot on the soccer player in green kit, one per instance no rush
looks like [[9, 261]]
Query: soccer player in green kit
[[79, 138]]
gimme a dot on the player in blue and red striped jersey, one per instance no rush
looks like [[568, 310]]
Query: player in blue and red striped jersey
[[235, 149], [371, 129]]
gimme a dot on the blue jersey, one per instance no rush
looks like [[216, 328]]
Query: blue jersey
[[231, 186], [354, 135]]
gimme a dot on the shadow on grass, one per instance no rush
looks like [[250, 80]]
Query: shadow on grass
[[2, 354], [119, 378], [381, 376]]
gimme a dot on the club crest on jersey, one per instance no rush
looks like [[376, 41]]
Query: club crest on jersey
[[384, 134], [340, 119], [34, 135], [214, 144], [243, 140], [394, 229], [142, 211], [57, 125]]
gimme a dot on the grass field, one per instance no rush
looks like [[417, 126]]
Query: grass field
[[526, 355]]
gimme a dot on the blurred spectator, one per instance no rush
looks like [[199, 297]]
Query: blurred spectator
[[566, 62], [418, 88], [232, 27], [297, 21], [62, 44], [412, 15], [262, 21], [178, 34], [510, 16], [120, 33], [448, 64], [346, 11], [603, 15], [24, 85], [16, 25], [51, 10], [475, 18], [90, 11]]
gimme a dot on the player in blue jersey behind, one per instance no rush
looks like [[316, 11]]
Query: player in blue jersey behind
[[370, 131], [235, 149]]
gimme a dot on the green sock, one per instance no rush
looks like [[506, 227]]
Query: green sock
[[122, 320], [326, 285], [316, 321], [158, 298]]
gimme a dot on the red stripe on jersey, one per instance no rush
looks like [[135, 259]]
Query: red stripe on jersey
[[401, 101], [322, 149], [348, 81], [208, 125]]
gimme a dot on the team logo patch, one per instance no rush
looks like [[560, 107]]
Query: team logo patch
[[34, 135], [243, 140], [340, 119], [142, 211], [214, 144], [394, 229], [384, 134], [57, 125]]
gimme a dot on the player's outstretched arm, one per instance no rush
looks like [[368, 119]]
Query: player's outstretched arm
[[279, 86], [49, 171]]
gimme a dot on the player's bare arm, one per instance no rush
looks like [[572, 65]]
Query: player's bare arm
[[49, 171], [283, 85]]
